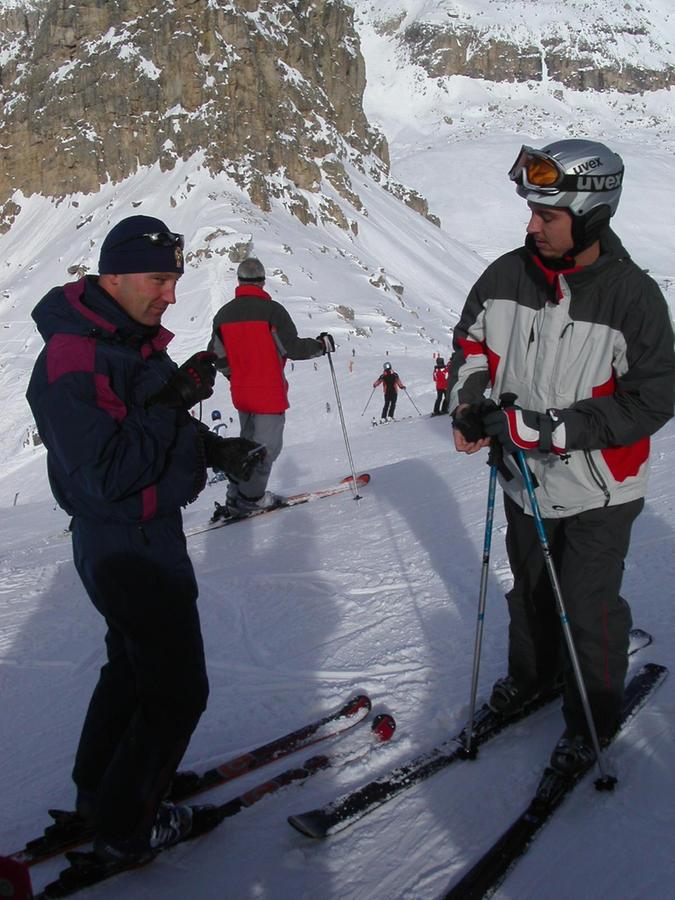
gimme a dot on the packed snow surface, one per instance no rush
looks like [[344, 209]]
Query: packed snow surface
[[306, 607]]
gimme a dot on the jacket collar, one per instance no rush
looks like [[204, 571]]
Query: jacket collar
[[90, 301], [611, 251], [251, 290]]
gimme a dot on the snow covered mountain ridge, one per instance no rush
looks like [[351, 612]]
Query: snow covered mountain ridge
[[269, 92], [624, 46]]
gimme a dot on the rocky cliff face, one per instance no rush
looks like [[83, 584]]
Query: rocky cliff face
[[270, 92], [588, 57]]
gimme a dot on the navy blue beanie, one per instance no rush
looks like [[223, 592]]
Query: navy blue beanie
[[125, 250]]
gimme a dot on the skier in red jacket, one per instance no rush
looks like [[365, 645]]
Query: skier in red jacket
[[441, 382], [253, 336]]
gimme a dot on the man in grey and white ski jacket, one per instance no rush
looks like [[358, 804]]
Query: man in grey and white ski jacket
[[596, 346], [575, 343]]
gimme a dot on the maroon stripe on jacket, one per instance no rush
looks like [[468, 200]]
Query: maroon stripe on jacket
[[107, 399], [149, 502], [69, 353]]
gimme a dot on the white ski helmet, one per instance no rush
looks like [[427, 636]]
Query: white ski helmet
[[584, 177]]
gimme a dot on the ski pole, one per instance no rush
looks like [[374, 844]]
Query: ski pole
[[606, 782], [342, 421], [469, 751], [369, 399], [405, 391]]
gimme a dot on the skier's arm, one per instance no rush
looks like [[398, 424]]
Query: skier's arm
[[639, 390], [286, 337], [216, 346], [468, 371]]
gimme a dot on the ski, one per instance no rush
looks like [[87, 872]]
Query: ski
[[85, 868], [488, 873], [68, 829], [220, 517], [349, 808], [377, 422]]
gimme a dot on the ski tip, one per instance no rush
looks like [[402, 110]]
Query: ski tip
[[308, 823], [383, 727], [655, 670], [356, 705], [14, 879], [364, 478]]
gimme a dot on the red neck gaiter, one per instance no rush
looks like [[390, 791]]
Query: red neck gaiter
[[552, 276]]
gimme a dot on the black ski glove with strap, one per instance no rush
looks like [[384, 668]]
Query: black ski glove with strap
[[190, 383], [523, 429], [327, 342], [237, 457]]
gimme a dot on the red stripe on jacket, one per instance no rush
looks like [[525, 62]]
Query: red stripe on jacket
[[622, 462], [480, 348]]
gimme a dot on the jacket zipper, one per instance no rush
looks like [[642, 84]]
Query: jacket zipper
[[597, 477], [555, 376]]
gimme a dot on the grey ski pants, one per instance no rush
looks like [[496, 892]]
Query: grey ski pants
[[263, 429]]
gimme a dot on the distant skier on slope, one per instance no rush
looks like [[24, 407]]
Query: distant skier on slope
[[582, 336], [440, 376], [253, 336], [391, 383]]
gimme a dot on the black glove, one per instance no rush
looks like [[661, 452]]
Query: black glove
[[469, 421], [192, 382], [327, 342], [522, 429], [237, 457]]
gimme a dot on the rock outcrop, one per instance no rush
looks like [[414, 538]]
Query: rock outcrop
[[269, 91], [461, 48]]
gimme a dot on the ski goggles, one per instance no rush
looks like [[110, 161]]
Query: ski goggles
[[156, 238], [538, 171]]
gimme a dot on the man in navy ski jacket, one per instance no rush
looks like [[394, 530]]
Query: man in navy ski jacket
[[123, 456]]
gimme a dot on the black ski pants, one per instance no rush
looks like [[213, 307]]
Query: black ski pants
[[588, 551], [389, 407], [441, 404], [153, 688]]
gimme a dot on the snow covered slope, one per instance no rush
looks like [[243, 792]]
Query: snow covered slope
[[454, 138], [308, 606]]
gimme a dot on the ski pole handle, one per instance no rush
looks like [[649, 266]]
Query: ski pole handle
[[507, 400]]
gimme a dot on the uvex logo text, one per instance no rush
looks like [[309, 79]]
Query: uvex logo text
[[599, 182], [586, 166]]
